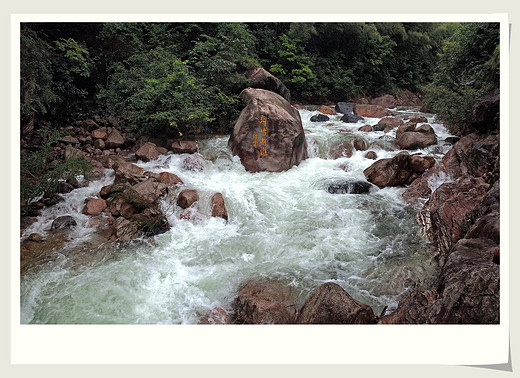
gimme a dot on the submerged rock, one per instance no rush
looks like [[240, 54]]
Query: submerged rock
[[349, 187], [218, 206], [272, 119], [330, 304], [260, 302]]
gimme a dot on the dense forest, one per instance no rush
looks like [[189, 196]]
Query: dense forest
[[176, 79]]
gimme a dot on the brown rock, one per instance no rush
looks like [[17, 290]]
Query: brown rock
[[100, 133], [390, 172], [71, 153], [260, 78], [94, 206], [416, 140], [391, 122], [192, 214], [341, 149], [147, 152], [371, 111], [128, 172], [150, 190], [360, 144], [444, 215], [126, 210], [414, 308], [114, 139], [366, 128], [330, 304], [187, 197], [218, 207], [169, 179], [421, 164], [193, 162], [417, 119], [371, 155], [403, 128], [260, 302], [184, 147], [108, 190], [217, 315], [285, 139], [386, 101], [326, 110]]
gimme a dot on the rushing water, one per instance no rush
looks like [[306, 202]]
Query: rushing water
[[282, 226]]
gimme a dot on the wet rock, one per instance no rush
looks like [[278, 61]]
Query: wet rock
[[324, 109], [148, 223], [37, 238], [52, 199], [421, 137], [349, 187], [341, 149], [192, 214], [417, 119], [395, 171], [147, 152], [260, 302], [386, 101], [405, 127], [262, 79], [184, 147], [114, 139], [421, 164], [344, 107], [286, 144], [370, 111], [193, 162], [414, 308], [216, 315], [187, 197], [360, 144], [371, 155], [451, 140], [330, 304], [319, 118], [351, 118], [63, 222], [108, 190], [366, 128], [390, 122], [149, 190], [444, 216], [169, 179], [218, 207], [94, 206]]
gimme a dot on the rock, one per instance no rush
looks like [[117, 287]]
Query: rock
[[64, 187], [341, 149], [88, 124], [108, 190], [330, 304], [417, 119], [114, 139], [99, 143], [149, 190], [470, 285], [444, 216], [100, 133], [260, 302], [344, 108], [414, 308], [391, 122], [285, 139], [37, 238], [366, 128], [217, 315], [326, 110], [52, 200], [192, 214], [63, 222], [68, 140], [416, 140], [125, 229], [169, 179], [113, 121], [496, 256], [370, 111], [421, 164], [407, 98], [94, 206], [319, 118], [260, 78], [187, 197], [378, 127], [403, 128], [147, 152], [193, 162], [349, 187], [395, 171], [218, 207], [485, 114], [126, 210], [386, 101], [71, 153], [148, 223], [351, 118], [184, 147], [360, 144], [371, 155], [451, 140], [125, 171]]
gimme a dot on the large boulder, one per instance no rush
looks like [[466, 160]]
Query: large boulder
[[260, 78], [187, 197], [149, 190], [184, 147], [260, 302], [128, 172], [94, 206], [114, 139], [445, 216], [420, 137], [370, 111], [390, 122], [394, 171], [386, 101], [344, 107], [330, 304], [272, 119], [148, 223], [169, 179]]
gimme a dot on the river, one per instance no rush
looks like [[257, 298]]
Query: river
[[282, 226]]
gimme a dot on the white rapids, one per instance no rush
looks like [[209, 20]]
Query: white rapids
[[282, 226]]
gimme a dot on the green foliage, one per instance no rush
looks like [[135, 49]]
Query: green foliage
[[467, 70], [155, 93]]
